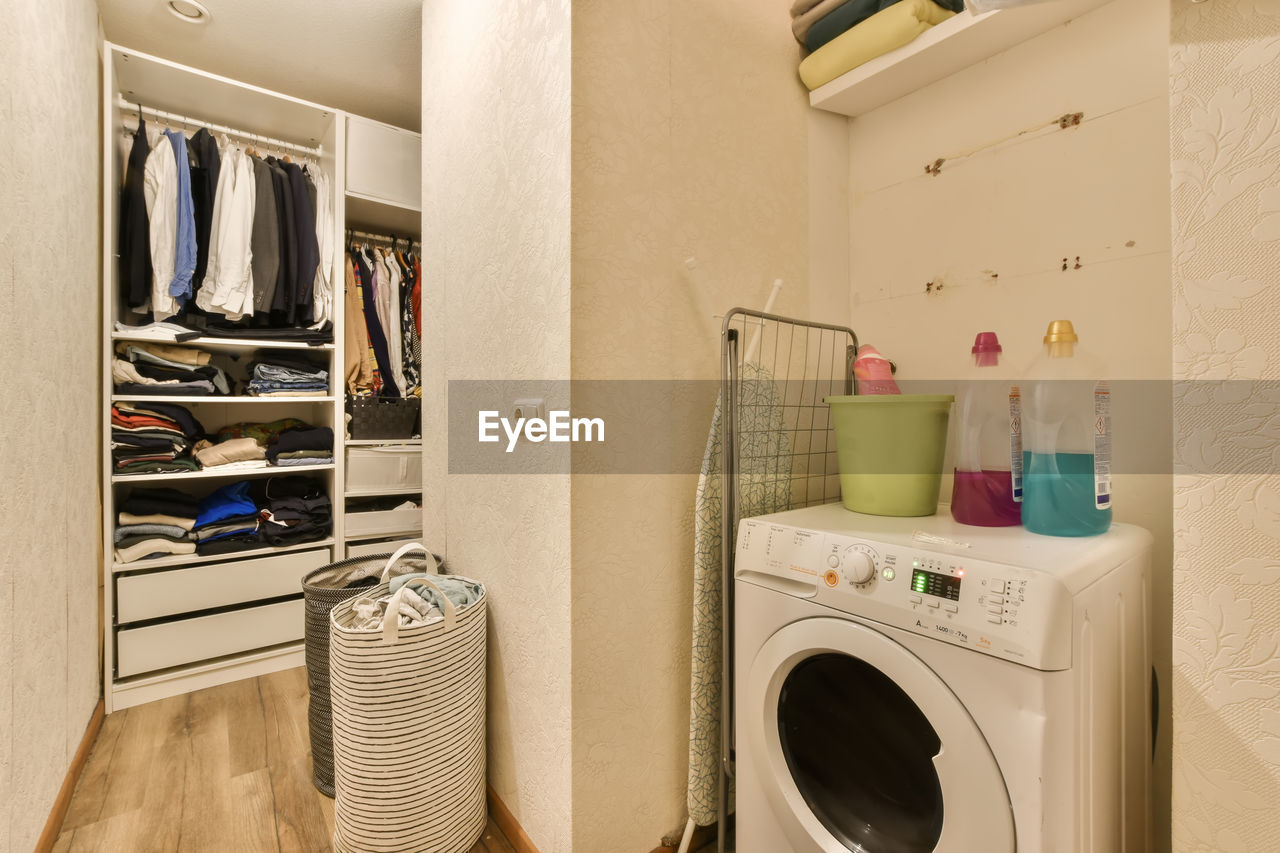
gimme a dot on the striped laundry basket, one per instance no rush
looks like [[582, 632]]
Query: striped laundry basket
[[321, 591], [408, 726]]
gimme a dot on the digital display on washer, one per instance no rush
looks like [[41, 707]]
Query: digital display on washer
[[931, 583]]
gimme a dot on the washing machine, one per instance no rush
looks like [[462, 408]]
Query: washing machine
[[904, 685]]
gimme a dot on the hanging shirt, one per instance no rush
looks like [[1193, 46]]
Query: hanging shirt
[[283, 301], [135, 230], [228, 287], [378, 340], [411, 348], [205, 165], [324, 303], [304, 220], [184, 262], [395, 342], [160, 192], [357, 356], [264, 244]]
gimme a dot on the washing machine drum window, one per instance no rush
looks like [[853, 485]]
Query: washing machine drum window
[[867, 770]]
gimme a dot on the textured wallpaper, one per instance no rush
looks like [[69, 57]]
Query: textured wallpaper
[[49, 266], [496, 155], [1225, 135], [690, 141]]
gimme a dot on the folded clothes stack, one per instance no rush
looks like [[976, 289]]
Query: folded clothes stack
[[301, 446], [160, 369], [152, 438], [227, 521], [236, 454], [155, 523], [844, 34], [294, 510], [286, 376]]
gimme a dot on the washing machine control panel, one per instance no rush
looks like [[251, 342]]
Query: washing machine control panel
[[1005, 611]]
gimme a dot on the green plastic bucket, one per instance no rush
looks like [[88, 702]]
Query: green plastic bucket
[[889, 449]]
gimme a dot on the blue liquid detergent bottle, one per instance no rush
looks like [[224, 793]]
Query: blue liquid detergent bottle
[[1063, 414]]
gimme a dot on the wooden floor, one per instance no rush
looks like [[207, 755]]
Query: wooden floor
[[223, 769]]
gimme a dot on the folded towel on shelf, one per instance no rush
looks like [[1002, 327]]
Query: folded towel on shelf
[[841, 19], [302, 462], [882, 32], [227, 452], [816, 11], [153, 548], [126, 519], [168, 531]]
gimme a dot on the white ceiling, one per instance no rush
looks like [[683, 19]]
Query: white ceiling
[[363, 57]]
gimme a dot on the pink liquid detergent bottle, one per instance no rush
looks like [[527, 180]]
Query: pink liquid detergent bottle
[[983, 490]]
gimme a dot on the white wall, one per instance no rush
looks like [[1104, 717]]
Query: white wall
[[1099, 191], [49, 263], [1226, 266], [495, 99]]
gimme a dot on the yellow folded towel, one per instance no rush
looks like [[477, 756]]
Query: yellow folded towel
[[884, 31]]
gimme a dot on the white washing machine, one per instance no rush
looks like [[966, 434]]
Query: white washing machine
[[905, 685]]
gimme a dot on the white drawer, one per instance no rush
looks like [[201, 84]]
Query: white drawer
[[375, 470], [384, 162], [204, 587], [364, 549], [384, 522], [185, 641]]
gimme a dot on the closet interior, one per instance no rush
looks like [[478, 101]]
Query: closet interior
[[240, 447]]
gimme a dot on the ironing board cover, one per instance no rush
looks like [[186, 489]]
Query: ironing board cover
[[764, 478]]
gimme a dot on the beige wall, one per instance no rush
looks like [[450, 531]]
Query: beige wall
[[1225, 62], [690, 142], [1099, 192], [496, 141], [49, 262]]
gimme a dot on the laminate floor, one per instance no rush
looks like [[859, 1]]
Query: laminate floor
[[222, 769]]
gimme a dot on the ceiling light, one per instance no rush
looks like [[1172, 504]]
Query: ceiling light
[[190, 11]]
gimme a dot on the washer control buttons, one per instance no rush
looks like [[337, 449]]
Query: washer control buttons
[[888, 573], [995, 599], [997, 586], [951, 608], [831, 578], [834, 561], [915, 599], [933, 603], [995, 620]]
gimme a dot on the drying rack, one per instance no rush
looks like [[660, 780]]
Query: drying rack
[[801, 362]]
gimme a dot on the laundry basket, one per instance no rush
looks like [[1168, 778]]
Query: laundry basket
[[321, 591], [408, 726]]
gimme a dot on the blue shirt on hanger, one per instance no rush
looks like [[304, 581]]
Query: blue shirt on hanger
[[184, 265]]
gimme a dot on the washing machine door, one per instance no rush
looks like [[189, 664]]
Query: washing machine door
[[861, 746]]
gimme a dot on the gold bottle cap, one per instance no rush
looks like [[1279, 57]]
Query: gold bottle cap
[[1061, 332]]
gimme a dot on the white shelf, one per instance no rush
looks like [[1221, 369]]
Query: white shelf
[[383, 442], [375, 493], [415, 533], [209, 398], [196, 559], [224, 343], [941, 51], [367, 213], [215, 474]]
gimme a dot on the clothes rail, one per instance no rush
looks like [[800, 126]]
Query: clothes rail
[[187, 121], [381, 238]]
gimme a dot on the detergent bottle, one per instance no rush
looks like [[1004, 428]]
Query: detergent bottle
[[983, 490], [1066, 439]]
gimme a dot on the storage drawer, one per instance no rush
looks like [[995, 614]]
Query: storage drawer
[[185, 641], [364, 549], [384, 522], [384, 162], [375, 470], [203, 587]]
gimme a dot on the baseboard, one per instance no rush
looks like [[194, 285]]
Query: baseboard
[[506, 821], [702, 836], [53, 827]]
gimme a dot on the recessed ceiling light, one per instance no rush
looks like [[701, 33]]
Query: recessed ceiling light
[[190, 11]]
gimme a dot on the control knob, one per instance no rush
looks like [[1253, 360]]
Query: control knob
[[859, 566]]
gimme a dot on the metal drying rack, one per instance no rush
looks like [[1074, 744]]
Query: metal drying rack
[[805, 362]]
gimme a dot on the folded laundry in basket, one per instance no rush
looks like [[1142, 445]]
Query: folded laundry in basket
[[884, 31], [460, 592]]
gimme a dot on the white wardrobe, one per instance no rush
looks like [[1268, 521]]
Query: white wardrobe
[[178, 623]]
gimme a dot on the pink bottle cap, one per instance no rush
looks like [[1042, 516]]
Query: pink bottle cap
[[986, 349]]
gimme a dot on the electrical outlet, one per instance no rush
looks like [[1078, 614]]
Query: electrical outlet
[[529, 407]]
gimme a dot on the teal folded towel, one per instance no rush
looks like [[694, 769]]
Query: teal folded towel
[[840, 19], [460, 592]]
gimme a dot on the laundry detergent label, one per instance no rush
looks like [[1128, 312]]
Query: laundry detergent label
[[1102, 445], [1015, 441]]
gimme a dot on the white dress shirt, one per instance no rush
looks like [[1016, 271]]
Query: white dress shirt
[[228, 279], [160, 191]]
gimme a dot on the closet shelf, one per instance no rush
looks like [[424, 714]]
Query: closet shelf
[[188, 401], [373, 493], [215, 474], [377, 214], [383, 442], [415, 533], [224, 343], [941, 51], [196, 559]]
